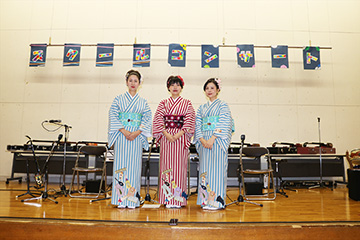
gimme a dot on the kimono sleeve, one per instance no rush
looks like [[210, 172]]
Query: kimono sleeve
[[158, 122], [189, 121], [145, 125], [198, 125], [114, 122]]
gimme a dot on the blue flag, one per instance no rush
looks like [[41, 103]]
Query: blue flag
[[209, 56], [177, 55], [141, 56], [38, 55], [105, 55], [71, 54], [311, 58], [245, 56], [279, 56]]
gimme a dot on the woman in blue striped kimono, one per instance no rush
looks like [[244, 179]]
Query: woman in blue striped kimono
[[129, 127], [213, 130]]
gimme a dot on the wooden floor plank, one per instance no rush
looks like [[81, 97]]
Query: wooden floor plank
[[316, 205]]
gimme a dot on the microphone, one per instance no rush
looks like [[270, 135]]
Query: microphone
[[54, 121], [318, 119], [242, 137], [59, 138]]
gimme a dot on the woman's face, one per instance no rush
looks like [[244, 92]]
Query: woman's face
[[133, 83], [211, 91], [175, 90]]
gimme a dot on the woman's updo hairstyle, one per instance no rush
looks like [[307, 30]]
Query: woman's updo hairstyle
[[215, 81], [133, 72], [175, 79]]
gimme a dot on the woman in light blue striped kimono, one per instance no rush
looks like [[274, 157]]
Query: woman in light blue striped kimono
[[213, 130], [129, 127]]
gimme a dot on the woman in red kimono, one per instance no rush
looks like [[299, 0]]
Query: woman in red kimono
[[173, 127]]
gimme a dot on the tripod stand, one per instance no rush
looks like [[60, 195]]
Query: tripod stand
[[241, 198], [147, 173], [44, 173], [63, 189], [321, 183], [28, 191]]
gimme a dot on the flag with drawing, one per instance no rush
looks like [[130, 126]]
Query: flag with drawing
[[209, 56], [105, 55], [71, 54], [38, 55]]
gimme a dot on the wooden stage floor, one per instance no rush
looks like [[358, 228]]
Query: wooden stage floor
[[316, 211]]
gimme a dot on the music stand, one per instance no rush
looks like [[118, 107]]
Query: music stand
[[241, 198]]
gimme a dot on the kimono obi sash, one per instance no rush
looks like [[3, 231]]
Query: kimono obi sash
[[174, 121], [209, 123], [129, 119]]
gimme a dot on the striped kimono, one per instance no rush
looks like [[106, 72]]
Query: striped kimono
[[131, 113], [174, 156], [213, 119]]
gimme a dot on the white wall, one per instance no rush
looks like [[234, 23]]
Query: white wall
[[267, 104]]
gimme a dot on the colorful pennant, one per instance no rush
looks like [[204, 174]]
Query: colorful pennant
[[279, 57], [105, 55], [311, 58], [38, 55], [177, 55], [245, 56], [71, 54], [209, 56], [141, 55]]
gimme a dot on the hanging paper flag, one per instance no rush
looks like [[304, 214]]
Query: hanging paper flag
[[141, 56], [279, 56], [71, 54], [245, 56], [177, 55], [210, 56], [311, 57], [105, 55], [38, 55]]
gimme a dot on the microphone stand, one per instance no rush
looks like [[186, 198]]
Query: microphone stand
[[63, 189], [241, 179], [28, 192], [147, 171], [321, 183], [45, 194]]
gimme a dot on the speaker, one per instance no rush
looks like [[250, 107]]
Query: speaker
[[254, 188], [354, 184], [92, 186]]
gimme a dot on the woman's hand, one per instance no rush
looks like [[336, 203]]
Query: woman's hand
[[179, 134], [130, 135], [208, 143], [125, 132], [133, 135], [168, 136]]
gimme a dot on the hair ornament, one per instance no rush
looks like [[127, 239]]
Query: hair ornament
[[181, 79], [218, 81]]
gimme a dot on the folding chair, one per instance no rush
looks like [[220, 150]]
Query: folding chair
[[353, 158], [100, 153], [269, 193]]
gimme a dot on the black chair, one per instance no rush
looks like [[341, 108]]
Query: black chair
[[100, 153], [269, 193]]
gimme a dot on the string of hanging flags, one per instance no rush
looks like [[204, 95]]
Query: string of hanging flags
[[210, 55]]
